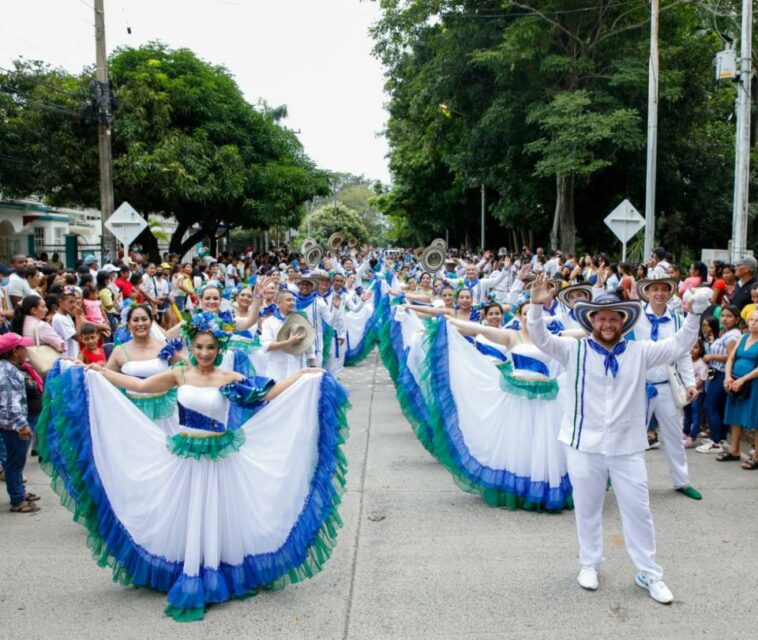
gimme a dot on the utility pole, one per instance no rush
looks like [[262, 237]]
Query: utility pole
[[652, 130], [742, 144], [483, 207], [105, 115]]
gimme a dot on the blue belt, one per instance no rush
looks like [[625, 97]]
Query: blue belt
[[650, 388]]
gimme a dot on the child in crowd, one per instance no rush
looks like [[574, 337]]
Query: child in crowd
[[91, 352], [93, 311], [693, 410], [66, 320]]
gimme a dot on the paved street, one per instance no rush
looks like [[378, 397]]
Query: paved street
[[418, 558]]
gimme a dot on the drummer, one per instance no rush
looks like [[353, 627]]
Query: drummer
[[287, 348]]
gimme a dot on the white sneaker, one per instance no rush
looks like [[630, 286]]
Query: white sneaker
[[709, 447], [587, 577], [656, 588]]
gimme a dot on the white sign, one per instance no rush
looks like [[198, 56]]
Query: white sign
[[625, 221], [126, 224]]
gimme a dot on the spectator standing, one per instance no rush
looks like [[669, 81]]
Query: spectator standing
[[693, 410], [745, 271], [66, 322], [18, 285], [14, 420], [715, 393], [742, 401], [30, 321]]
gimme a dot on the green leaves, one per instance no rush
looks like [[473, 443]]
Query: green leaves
[[580, 139]]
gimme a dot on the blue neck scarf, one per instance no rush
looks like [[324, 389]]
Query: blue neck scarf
[[655, 324], [611, 362], [305, 301], [269, 310], [470, 284]]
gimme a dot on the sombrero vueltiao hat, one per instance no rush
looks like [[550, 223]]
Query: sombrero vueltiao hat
[[644, 285], [629, 309], [314, 276], [295, 323], [563, 294]]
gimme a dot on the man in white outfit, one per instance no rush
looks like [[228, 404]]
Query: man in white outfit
[[279, 363], [658, 322], [603, 426]]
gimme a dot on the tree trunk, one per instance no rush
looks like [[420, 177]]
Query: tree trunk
[[556, 214], [149, 245], [514, 238], [566, 226]]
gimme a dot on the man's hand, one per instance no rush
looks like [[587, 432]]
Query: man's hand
[[541, 292], [692, 393], [25, 433]]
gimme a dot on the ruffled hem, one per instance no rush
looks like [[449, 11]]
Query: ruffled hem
[[210, 447], [531, 389], [497, 487], [65, 445], [409, 394], [155, 407], [370, 337]]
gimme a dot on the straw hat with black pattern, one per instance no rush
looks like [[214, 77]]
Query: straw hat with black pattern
[[563, 294], [630, 311], [644, 285]]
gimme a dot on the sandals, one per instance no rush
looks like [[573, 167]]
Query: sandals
[[32, 497], [24, 507], [727, 456], [750, 465]]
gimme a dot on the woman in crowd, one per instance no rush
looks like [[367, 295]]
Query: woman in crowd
[[464, 310], [730, 283], [742, 399], [719, 348], [30, 321]]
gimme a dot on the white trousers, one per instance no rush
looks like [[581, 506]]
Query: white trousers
[[335, 365], [670, 425], [589, 474]]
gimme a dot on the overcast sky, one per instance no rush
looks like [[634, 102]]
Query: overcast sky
[[312, 55]]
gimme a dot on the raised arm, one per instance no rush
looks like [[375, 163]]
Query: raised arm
[[677, 346], [158, 383], [554, 346], [506, 337]]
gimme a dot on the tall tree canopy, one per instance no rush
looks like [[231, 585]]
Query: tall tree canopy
[[545, 104], [185, 141]]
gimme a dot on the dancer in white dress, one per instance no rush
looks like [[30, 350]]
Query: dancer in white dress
[[144, 356], [243, 497]]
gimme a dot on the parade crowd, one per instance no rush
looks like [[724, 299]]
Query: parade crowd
[[530, 376]]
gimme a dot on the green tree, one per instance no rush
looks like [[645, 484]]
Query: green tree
[[329, 219], [185, 144]]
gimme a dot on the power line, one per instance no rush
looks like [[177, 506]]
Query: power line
[[492, 14], [44, 81], [36, 104]]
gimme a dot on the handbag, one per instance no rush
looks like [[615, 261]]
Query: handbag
[[678, 390], [41, 356], [743, 393]]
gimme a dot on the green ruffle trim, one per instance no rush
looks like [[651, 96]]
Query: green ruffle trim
[[84, 509], [441, 449], [327, 346], [532, 389], [245, 344], [211, 447], [390, 361], [155, 407]]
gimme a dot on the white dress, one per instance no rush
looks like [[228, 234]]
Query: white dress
[[159, 407], [496, 428], [243, 497]]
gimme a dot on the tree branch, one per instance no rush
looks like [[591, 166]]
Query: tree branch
[[555, 23]]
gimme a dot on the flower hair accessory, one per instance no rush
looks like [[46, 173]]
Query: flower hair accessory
[[207, 322]]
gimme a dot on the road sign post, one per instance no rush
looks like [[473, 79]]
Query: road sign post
[[126, 224], [625, 221]]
